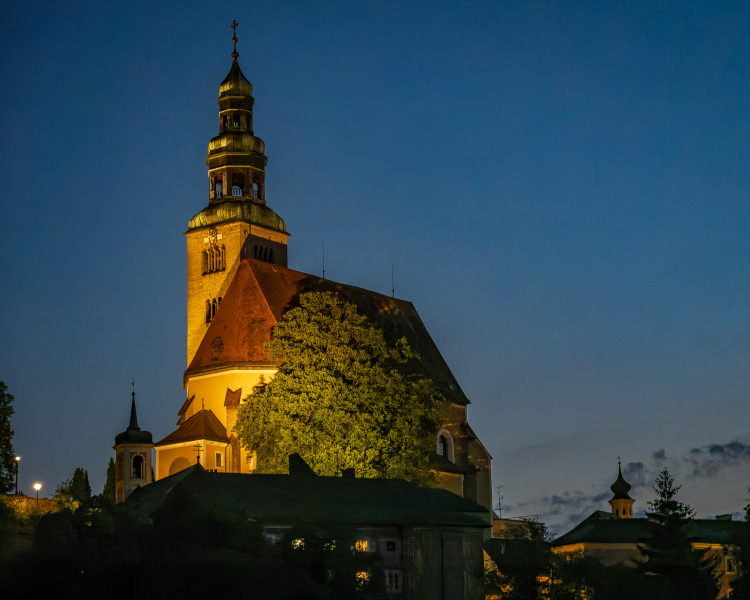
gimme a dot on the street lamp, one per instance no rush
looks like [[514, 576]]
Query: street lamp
[[18, 461], [37, 487]]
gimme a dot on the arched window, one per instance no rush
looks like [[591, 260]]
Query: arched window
[[255, 190], [236, 191], [204, 261], [213, 309], [223, 258], [137, 467], [223, 122], [217, 189], [444, 445], [235, 120], [208, 311]]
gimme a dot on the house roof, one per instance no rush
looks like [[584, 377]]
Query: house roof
[[260, 293], [203, 425], [304, 498], [604, 527]]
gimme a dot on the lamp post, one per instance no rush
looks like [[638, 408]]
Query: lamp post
[[18, 462], [37, 487]]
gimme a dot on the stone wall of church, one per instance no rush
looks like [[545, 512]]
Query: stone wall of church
[[209, 284]]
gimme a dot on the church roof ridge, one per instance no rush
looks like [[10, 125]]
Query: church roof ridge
[[261, 292]]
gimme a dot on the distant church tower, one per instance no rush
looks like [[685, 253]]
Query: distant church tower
[[133, 457], [236, 224], [621, 503]]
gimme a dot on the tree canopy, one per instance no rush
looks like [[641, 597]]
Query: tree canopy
[[342, 398], [7, 456], [76, 489]]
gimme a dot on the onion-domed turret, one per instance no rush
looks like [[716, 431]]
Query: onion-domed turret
[[620, 487], [621, 502], [236, 157]]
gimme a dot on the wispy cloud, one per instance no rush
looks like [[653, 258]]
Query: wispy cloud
[[564, 510], [709, 461]]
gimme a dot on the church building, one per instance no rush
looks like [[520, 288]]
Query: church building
[[238, 288]]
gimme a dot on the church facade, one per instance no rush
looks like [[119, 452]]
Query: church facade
[[238, 288]]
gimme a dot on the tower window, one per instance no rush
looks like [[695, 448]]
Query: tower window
[[223, 122], [235, 120], [214, 259], [217, 189], [137, 467], [444, 445], [236, 191], [255, 190]]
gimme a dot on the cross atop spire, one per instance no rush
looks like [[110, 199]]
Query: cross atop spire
[[234, 26]]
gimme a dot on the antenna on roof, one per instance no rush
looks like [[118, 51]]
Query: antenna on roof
[[324, 260], [393, 287], [499, 507]]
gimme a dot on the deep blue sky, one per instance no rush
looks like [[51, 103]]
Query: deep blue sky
[[563, 188]]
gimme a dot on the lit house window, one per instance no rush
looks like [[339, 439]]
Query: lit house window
[[218, 459], [362, 545]]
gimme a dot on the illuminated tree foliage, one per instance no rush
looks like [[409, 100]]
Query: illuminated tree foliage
[[7, 457], [343, 398]]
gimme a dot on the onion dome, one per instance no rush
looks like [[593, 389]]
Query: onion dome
[[235, 83], [620, 488]]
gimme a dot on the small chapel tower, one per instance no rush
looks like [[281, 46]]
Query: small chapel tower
[[621, 502], [133, 457], [236, 223]]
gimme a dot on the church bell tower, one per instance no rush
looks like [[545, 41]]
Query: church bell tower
[[236, 224], [621, 502], [133, 457]]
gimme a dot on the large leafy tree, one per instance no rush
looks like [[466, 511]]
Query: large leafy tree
[[342, 398], [7, 457]]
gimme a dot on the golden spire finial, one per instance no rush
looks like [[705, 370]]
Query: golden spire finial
[[234, 25]]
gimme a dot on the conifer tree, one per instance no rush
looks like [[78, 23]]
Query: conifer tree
[[342, 398], [8, 464], [669, 550], [109, 485]]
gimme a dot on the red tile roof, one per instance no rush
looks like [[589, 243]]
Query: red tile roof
[[260, 293], [203, 425], [184, 408]]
